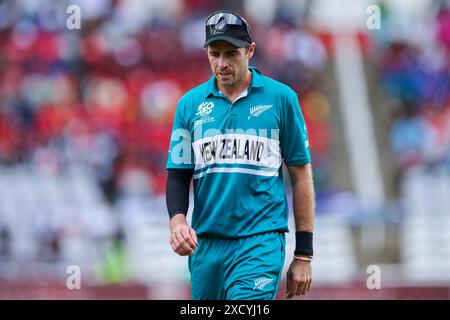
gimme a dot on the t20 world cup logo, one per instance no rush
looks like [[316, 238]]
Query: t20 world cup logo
[[204, 109]]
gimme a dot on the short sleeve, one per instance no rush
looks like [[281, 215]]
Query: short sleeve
[[294, 135], [180, 154]]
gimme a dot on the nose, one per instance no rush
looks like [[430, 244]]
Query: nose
[[222, 63]]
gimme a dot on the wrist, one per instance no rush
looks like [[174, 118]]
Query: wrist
[[303, 243], [177, 220]]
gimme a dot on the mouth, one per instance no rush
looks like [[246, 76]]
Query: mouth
[[224, 74]]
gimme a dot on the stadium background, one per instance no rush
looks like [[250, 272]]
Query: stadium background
[[85, 120]]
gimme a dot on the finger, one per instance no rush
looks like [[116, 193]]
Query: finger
[[305, 287], [291, 288], [174, 243], [307, 281], [288, 287], [193, 235], [300, 288], [176, 246], [188, 239], [309, 277], [182, 252], [187, 246], [309, 284], [183, 244]]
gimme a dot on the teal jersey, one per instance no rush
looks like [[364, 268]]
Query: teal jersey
[[236, 151]]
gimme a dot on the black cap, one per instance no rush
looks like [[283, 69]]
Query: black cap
[[227, 26]]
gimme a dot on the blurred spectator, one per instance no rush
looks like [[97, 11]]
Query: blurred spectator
[[5, 244], [114, 267], [407, 138], [49, 246]]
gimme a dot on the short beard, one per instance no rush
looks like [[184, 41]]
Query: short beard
[[231, 82], [227, 83]]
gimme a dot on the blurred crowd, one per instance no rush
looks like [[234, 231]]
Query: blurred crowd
[[101, 100], [104, 96], [415, 70]]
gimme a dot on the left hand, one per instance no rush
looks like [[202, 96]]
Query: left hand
[[299, 278]]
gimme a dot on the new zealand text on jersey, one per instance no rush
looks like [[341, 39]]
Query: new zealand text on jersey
[[231, 148]]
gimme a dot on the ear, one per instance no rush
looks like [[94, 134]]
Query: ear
[[251, 50]]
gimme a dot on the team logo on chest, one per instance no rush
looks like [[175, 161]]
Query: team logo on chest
[[257, 110]]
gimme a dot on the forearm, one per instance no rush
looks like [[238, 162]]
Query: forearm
[[304, 206], [299, 274], [303, 198], [183, 238], [177, 191]]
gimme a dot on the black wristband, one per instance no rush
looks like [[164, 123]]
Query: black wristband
[[303, 243]]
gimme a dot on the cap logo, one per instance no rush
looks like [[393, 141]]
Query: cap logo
[[220, 25]]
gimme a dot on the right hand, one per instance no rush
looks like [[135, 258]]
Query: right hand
[[183, 238]]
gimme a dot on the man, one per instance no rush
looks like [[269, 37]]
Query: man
[[230, 134]]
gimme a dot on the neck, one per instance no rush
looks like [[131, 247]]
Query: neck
[[233, 91]]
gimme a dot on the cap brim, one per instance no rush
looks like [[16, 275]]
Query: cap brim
[[235, 42]]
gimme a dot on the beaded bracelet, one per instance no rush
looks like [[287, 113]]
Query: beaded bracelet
[[303, 258]]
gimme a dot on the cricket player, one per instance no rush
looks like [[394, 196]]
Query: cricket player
[[230, 135]]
